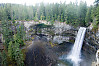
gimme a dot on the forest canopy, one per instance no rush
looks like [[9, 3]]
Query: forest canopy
[[80, 15]]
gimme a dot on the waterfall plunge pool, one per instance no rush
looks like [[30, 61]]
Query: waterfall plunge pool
[[75, 55]]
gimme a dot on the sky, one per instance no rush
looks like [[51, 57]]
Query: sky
[[33, 2]]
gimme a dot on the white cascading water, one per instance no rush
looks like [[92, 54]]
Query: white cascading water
[[75, 53]]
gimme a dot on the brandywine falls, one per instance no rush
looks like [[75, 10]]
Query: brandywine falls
[[49, 33]]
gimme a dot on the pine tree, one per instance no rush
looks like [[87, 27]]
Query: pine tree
[[15, 54], [20, 35], [6, 30], [97, 2], [97, 15], [62, 18], [10, 50], [58, 18], [3, 56], [19, 57], [82, 13], [88, 17]]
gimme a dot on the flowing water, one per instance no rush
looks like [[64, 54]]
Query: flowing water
[[75, 53]]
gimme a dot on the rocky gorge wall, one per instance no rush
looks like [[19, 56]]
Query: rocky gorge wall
[[61, 32]]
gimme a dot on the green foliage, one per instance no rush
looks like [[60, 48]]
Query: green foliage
[[13, 40], [6, 31], [79, 15], [19, 57], [82, 13], [97, 2], [88, 16], [95, 28], [3, 56], [10, 50], [42, 17], [62, 18], [58, 18], [14, 53], [70, 13], [20, 35], [97, 15]]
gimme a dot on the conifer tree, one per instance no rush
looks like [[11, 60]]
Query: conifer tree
[[3, 56], [10, 51], [88, 16]]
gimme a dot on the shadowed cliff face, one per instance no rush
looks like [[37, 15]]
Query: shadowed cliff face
[[39, 54], [42, 54], [35, 57]]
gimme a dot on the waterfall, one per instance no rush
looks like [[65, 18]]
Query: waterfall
[[75, 53]]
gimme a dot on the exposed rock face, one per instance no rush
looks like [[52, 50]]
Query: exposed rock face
[[97, 36], [60, 32], [61, 27], [90, 47], [91, 40], [60, 39], [96, 63], [90, 27]]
